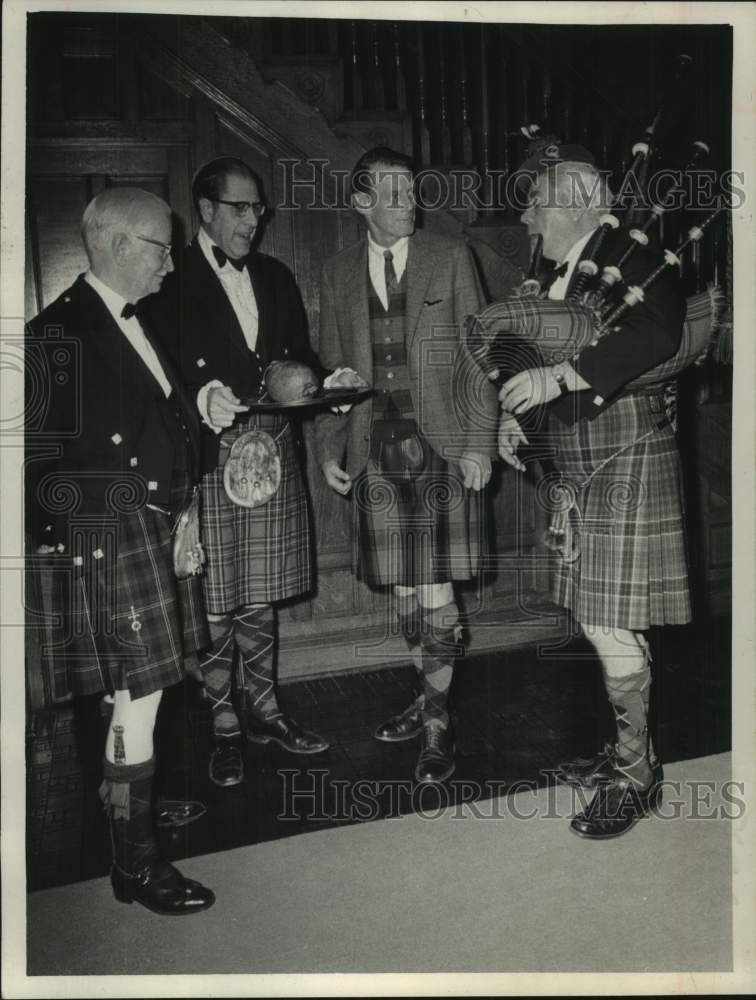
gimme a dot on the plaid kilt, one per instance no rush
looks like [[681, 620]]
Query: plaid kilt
[[131, 621], [428, 529], [256, 555], [631, 571]]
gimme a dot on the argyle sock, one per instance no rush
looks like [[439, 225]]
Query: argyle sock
[[254, 627], [629, 697], [410, 618], [126, 794], [440, 646], [217, 665]]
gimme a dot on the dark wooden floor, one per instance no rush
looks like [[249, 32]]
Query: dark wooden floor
[[516, 714]]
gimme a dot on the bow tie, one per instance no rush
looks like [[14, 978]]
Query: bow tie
[[551, 277], [128, 310], [221, 258]]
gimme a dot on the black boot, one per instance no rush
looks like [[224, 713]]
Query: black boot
[[436, 760], [138, 874]]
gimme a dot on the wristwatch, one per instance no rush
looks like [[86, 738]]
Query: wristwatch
[[556, 371]]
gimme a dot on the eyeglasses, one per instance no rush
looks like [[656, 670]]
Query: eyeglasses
[[166, 247], [242, 207]]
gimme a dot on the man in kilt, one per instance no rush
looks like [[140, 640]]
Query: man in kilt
[[120, 456], [419, 453], [234, 311], [621, 566]]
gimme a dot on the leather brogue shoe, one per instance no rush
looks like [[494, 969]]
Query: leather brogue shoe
[[161, 888], [404, 726], [177, 812], [226, 763], [436, 760], [286, 733], [616, 808], [590, 772]]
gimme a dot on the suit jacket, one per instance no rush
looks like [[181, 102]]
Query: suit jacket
[[205, 339], [647, 334], [95, 416], [455, 405]]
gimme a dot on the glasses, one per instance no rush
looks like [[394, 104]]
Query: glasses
[[242, 207], [166, 247]]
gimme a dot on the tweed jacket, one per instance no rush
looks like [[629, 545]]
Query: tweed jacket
[[455, 405], [205, 339], [94, 418]]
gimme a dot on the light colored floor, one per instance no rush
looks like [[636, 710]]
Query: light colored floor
[[465, 891]]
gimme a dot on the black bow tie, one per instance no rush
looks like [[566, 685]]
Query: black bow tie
[[128, 310], [551, 277], [222, 257]]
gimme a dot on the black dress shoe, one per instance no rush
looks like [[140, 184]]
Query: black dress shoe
[[436, 760], [591, 772], [226, 764], [405, 726], [616, 808], [176, 812], [161, 888], [588, 772], [286, 733]]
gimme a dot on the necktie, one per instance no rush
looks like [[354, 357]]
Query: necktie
[[389, 273], [128, 310], [221, 258]]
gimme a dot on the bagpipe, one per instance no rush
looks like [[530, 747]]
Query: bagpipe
[[527, 330]]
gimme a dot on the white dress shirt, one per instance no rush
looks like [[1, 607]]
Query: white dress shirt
[[560, 286], [238, 288], [131, 329], [377, 264]]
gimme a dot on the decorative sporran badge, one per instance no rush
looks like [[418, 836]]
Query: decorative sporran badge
[[252, 472]]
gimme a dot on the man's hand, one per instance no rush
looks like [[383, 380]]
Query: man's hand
[[344, 378], [336, 477], [533, 387], [511, 437], [223, 407], [476, 470]]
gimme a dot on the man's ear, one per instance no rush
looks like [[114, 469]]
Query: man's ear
[[120, 247], [362, 202], [207, 210]]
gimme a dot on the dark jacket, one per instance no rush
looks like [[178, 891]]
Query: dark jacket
[[203, 336], [95, 417], [647, 334]]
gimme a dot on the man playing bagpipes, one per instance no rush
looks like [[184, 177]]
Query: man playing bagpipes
[[617, 525]]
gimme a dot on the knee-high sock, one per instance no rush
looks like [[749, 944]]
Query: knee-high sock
[[440, 645], [217, 665], [254, 627], [126, 794], [410, 618], [629, 696]]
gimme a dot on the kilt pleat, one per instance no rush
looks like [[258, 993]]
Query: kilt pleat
[[256, 555], [428, 530], [131, 621], [631, 571]]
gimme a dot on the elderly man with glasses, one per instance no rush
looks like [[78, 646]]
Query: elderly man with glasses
[[113, 458], [236, 310]]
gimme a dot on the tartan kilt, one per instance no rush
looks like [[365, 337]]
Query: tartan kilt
[[130, 621], [428, 529], [256, 555], [631, 571]]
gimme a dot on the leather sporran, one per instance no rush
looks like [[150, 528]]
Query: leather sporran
[[188, 554], [252, 472]]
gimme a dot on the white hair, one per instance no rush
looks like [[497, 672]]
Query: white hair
[[581, 185], [118, 210]]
